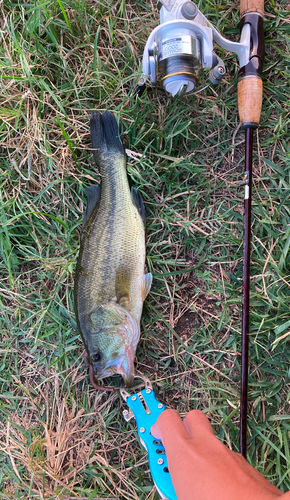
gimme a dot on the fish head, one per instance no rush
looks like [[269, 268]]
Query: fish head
[[112, 342]]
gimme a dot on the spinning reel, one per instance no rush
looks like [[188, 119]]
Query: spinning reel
[[182, 43]]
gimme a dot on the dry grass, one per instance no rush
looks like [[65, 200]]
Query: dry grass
[[54, 441]]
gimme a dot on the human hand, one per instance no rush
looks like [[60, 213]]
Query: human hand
[[203, 468]]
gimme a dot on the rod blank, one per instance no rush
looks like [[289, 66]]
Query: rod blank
[[246, 290]]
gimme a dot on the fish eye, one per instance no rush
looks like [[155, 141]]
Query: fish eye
[[96, 357]]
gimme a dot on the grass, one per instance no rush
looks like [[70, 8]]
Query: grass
[[59, 61]]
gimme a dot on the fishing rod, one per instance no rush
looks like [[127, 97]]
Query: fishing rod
[[175, 50], [250, 92]]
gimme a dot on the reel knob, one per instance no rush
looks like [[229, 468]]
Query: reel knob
[[189, 10], [218, 71]]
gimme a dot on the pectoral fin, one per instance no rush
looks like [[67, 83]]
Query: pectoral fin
[[138, 202], [123, 281], [146, 285], [93, 198]]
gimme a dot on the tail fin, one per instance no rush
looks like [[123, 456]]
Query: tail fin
[[105, 134]]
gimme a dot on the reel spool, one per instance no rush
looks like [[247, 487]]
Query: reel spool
[[178, 59], [182, 43]]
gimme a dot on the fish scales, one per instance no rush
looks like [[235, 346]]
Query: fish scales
[[116, 238], [110, 284]]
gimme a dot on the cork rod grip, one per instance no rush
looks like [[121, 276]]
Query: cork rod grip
[[250, 93], [247, 6]]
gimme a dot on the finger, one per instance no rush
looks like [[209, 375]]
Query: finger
[[170, 429], [197, 424]]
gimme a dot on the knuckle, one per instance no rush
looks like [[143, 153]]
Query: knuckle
[[196, 416]]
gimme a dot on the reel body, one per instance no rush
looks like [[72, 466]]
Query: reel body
[[182, 43]]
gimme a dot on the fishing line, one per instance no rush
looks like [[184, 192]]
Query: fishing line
[[198, 91]]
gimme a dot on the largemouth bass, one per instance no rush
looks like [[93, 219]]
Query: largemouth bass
[[110, 284]]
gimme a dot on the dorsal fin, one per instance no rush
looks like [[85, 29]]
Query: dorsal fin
[[93, 198], [138, 202]]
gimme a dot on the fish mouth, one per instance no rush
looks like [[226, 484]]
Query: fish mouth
[[123, 367], [95, 385]]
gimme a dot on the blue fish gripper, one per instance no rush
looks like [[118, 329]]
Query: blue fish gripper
[[146, 409]]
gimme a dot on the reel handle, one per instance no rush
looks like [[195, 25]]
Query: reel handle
[[247, 6], [250, 92], [250, 86]]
